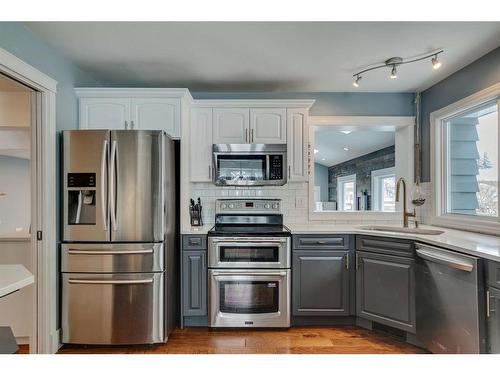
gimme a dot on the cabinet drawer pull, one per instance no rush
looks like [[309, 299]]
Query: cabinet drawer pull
[[321, 242]]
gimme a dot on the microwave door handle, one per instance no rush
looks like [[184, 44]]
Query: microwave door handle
[[267, 168]]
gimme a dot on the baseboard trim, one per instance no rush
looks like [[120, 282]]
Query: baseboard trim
[[298, 321]]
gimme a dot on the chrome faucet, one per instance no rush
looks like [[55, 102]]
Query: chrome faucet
[[406, 214]]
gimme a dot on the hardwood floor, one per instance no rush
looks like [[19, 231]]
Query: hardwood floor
[[297, 340]]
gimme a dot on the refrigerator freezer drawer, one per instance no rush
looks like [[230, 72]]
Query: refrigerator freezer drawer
[[112, 309], [111, 257]]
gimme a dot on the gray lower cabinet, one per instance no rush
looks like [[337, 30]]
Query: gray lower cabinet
[[493, 320], [320, 283], [385, 289], [194, 282]]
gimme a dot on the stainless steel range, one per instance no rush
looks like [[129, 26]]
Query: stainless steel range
[[249, 257]]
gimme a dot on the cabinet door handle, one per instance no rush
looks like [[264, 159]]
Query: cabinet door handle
[[246, 135], [251, 138], [209, 172], [289, 169], [488, 303], [357, 262], [126, 125], [132, 125], [347, 261]]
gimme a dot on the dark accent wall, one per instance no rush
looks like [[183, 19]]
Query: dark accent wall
[[475, 77], [363, 167]]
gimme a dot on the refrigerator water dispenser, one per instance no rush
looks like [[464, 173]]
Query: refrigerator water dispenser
[[81, 199]]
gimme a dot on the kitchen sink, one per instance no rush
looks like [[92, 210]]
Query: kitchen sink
[[382, 228]]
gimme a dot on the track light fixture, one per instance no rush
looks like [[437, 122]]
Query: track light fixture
[[394, 62], [436, 64], [356, 82], [394, 72]]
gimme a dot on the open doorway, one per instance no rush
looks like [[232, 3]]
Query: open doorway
[[16, 247]]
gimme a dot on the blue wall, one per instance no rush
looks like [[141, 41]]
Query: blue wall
[[475, 77], [333, 103], [21, 42]]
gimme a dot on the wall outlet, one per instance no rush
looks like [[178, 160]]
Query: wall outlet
[[300, 202]]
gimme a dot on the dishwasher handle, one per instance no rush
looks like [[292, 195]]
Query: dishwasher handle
[[438, 256]]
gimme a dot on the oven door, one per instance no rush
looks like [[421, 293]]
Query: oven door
[[249, 252], [249, 298]]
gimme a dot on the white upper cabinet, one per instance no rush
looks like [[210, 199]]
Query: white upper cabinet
[[104, 113], [231, 125], [297, 144], [156, 114], [200, 147], [124, 108], [267, 125]]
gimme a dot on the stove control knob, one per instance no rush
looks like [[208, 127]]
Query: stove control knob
[[275, 206], [223, 206], [267, 206], [231, 205]]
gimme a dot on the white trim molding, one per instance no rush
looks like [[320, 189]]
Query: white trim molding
[[403, 126], [254, 103], [439, 216], [43, 150]]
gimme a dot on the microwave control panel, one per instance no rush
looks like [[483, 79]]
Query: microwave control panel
[[276, 167]]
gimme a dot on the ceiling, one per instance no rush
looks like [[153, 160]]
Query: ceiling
[[267, 56], [330, 144]]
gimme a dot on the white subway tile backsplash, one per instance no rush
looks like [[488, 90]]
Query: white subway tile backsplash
[[288, 194]]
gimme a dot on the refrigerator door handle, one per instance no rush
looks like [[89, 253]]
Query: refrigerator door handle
[[104, 201], [110, 252], [112, 185], [91, 281]]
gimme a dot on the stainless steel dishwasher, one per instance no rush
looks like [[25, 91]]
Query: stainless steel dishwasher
[[450, 301]]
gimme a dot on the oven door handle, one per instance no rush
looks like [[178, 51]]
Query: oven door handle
[[274, 273], [249, 242]]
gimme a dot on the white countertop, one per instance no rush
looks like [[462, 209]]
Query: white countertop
[[14, 277], [481, 245]]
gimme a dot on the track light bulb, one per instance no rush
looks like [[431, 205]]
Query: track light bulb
[[356, 82], [394, 72], [436, 64]]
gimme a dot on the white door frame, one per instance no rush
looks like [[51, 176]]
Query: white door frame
[[44, 338]]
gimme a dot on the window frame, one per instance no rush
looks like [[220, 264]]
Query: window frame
[[341, 181], [376, 177], [439, 160], [404, 127]]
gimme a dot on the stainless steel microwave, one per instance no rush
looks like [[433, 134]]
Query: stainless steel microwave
[[249, 164]]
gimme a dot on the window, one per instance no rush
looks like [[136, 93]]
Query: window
[[346, 193], [384, 189], [467, 166], [471, 165]]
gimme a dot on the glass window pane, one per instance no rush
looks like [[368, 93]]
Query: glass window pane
[[348, 196], [388, 191], [472, 162]]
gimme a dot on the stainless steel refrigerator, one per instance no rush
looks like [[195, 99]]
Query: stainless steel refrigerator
[[118, 255]]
